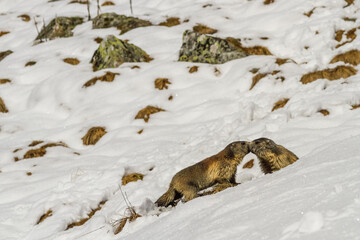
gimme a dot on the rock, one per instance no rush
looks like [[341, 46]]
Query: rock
[[202, 48], [5, 54], [59, 27], [121, 22], [113, 52]]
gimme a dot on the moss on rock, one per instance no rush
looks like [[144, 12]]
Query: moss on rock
[[202, 48], [59, 27], [121, 22], [113, 52]]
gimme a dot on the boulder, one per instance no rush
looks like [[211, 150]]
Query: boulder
[[59, 27], [121, 22], [202, 48], [113, 52]]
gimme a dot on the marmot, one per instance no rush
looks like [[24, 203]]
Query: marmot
[[272, 157], [220, 168]]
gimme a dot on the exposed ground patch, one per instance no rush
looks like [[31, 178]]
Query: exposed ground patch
[[147, 111], [330, 74], [71, 61], [280, 104], [352, 57], [203, 29], [93, 135], [45, 216], [107, 77], [131, 177], [170, 22]]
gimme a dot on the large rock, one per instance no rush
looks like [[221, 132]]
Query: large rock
[[59, 27], [121, 22], [202, 48], [112, 52]]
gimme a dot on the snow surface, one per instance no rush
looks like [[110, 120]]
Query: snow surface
[[318, 197]]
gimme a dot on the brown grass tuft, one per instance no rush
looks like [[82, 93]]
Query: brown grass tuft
[[135, 67], [347, 19], [4, 80], [217, 71], [25, 17], [161, 83], [3, 107], [170, 98], [84, 220], [72, 61], [133, 216], [79, 1], [108, 3], [308, 14], [349, 2], [31, 63], [249, 164], [280, 104], [339, 35], [254, 70], [203, 29], [256, 79], [352, 57], [2, 33], [147, 111], [34, 143], [207, 5], [355, 106], [140, 131], [107, 77], [324, 112], [93, 135], [281, 61], [267, 2], [351, 35], [98, 40], [131, 177], [170, 22], [29, 173], [193, 69], [330, 74], [255, 50], [45, 216]]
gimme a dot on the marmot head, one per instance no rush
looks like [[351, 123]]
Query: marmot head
[[262, 144], [238, 149]]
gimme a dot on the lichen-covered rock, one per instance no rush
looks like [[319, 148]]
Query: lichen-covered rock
[[121, 22], [113, 52], [5, 54], [59, 27], [202, 48]]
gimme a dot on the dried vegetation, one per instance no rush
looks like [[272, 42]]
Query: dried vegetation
[[45, 216], [162, 83], [30, 63], [4, 81], [2, 33], [107, 3], [3, 107], [352, 57], [170, 22], [329, 73], [267, 2], [193, 69], [203, 29], [133, 215], [41, 151], [25, 17], [84, 220], [260, 76], [93, 135], [324, 112], [107, 77], [147, 111], [255, 50], [131, 177], [280, 104], [72, 61]]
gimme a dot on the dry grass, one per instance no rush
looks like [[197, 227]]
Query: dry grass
[[161, 83], [256, 79], [98, 40], [30, 63], [193, 69], [267, 2], [349, 2], [3, 107], [350, 35], [254, 70], [255, 50], [249, 164], [79, 1], [281, 61], [203, 29], [217, 71], [140, 131], [170, 98], [351, 57], [72, 61], [280, 104], [135, 67], [25, 17], [29, 173], [107, 77], [324, 112], [147, 111], [34, 143], [4, 81], [207, 5], [339, 35], [108, 3], [2, 33], [93, 135], [84, 220], [356, 106], [330, 74], [308, 14], [39, 152], [133, 216], [131, 177], [45, 216], [347, 19], [170, 22]]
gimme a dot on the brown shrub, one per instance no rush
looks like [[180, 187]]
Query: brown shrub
[[308, 14], [107, 77], [45, 216], [280, 104], [147, 111], [24, 17], [203, 29], [255, 50], [267, 2], [193, 69], [93, 135], [249, 164], [133, 216], [3, 107], [72, 61], [108, 3], [98, 40], [4, 80], [330, 74], [324, 112], [34, 143], [351, 57], [84, 220], [31, 63], [170, 22], [161, 83], [131, 177], [2, 33]]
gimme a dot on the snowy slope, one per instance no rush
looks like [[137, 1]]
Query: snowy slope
[[318, 197]]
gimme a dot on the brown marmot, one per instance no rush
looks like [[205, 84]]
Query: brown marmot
[[272, 157], [220, 168]]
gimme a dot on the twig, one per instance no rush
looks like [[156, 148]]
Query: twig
[[98, 7], [131, 9], [88, 9]]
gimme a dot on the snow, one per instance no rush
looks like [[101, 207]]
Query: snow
[[318, 197]]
